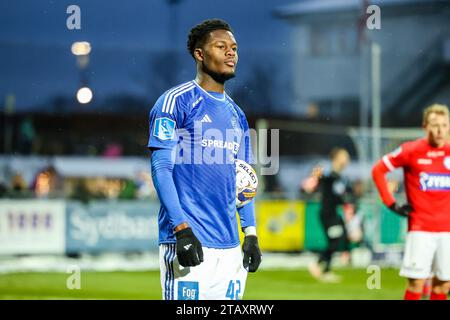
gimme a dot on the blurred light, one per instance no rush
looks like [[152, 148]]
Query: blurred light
[[312, 110], [83, 61], [81, 48], [84, 95]]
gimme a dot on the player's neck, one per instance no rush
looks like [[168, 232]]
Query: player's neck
[[336, 170], [434, 144], [208, 83]]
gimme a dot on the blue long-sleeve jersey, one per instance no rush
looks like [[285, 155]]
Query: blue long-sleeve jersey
[[195, 137]]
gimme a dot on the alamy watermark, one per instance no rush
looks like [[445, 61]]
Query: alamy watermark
[[374, 280], [213, 146], [73, 21], [374, 20], [73, 281]]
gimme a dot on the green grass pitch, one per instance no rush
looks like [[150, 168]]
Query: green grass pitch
[[264, 284]]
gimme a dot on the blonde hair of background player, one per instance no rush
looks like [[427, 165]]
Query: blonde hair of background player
[[434, 108]]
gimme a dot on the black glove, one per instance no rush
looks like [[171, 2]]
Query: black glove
[[189, 249], [403, 210], [252, 254]]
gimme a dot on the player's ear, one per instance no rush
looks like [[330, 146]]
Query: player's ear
[[198, 54]]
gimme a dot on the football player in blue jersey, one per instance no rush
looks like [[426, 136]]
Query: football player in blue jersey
[[196, 133]]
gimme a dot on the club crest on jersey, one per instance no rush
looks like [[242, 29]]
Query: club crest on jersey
[[434, 181], [164, 128], [447, 163]]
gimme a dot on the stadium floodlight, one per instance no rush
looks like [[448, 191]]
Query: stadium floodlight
[[84, 95], [81, 48]]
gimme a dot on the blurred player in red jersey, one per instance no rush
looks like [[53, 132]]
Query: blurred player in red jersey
[[426, 166]]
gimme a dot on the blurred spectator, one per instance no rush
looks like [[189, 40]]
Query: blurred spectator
[[352, 217], [18, 183], [48, 183], [81, 192], [128, 191], [144, 185], [113, 150], [353, 224], [3, 187], [26, 136], [18, 187]]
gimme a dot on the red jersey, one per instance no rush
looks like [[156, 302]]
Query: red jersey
[[427, 183]]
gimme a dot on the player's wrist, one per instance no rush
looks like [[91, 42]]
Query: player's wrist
[[180, 227], [250, 231], [185, 233], [403, 210], [393, 206], [391, 203]]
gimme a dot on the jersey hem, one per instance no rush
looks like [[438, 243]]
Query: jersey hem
[[428, 230], [208, 245]]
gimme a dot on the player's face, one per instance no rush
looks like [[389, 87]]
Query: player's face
[[437, 129], [341, 161], [220, 57]]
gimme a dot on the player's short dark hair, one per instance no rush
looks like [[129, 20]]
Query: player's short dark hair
[[199, 34]]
